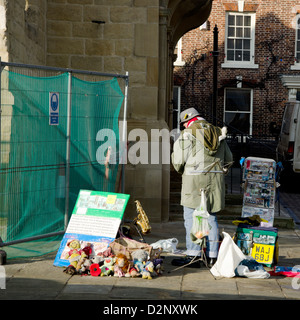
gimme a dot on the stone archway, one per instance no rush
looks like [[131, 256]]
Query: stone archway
[[176, 18]]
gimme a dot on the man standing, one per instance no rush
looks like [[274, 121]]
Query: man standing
[[199, 155]]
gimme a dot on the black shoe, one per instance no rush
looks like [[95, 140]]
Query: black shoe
[[180, 262], [211, 262]]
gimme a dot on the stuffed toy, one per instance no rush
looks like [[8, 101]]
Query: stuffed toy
[[158, 269], [70, 270], [85, 267], [98, 259], [75, 254], [81, 261], [148, 270], [85, 255], [139, 259], [88, 249], [106, 253], [157, 261], [121, 265], [132, 273], [108, 267]]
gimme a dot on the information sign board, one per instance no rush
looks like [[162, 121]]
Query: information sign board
[[95, 219]]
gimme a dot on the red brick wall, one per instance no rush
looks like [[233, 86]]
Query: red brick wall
[[274, 37]]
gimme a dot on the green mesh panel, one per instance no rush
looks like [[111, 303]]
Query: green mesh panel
[[33, 154]]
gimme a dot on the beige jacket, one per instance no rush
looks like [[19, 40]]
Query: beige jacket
[[196, 149]]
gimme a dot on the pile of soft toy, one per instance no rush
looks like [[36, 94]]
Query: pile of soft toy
[[107, 263]]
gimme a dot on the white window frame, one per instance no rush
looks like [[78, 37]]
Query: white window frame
[[241, 64], [179, 62], [296, 65], [178, 102], [251, 107], [292, 83]]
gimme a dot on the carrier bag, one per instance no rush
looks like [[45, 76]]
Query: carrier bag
[[200, 227], [250, 268], [229, 257]]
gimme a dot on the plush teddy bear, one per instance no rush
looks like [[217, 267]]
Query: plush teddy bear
[[132, 273], [148, 270], [85, 267], [98, 259], [157, 261], [88, 249], [158, 268], [139, 259], [81, 261], [121, 265], [108, 267], [75, 255]]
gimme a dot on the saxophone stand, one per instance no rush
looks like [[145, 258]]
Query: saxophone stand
[[142, 239], [141, 222]]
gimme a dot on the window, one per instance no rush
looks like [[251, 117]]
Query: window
[[238, 110], [297, 44], [178, 50], [239, 42]]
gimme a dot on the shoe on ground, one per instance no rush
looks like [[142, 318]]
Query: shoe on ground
[[180, 262], [211, 262]]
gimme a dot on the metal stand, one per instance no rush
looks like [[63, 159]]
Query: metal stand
[[132, 222], [202, 258]]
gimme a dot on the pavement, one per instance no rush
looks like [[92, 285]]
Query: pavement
[[37, 278]]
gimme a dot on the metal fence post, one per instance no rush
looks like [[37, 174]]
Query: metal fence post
[[215, 76], [124, 133], [68, 142], [0, 114]]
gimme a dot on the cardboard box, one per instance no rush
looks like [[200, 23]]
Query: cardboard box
[[260, 243]]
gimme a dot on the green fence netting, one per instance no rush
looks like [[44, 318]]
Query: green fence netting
[[34, 153]]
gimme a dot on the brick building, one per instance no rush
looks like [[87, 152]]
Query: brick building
[[258, 64]]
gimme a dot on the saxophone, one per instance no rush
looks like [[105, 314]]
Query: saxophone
[[142, 219]]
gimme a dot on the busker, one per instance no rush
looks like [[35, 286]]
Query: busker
[[198, 147]]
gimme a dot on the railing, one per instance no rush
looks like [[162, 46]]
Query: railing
[[246, 146]]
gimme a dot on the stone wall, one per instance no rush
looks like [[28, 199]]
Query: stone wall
[[123, 37], [112, 36], [26, 31]]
